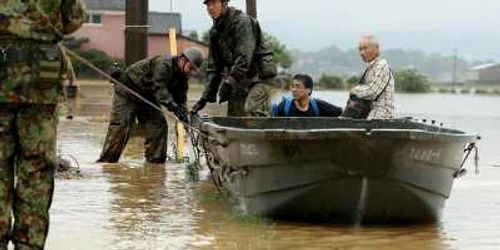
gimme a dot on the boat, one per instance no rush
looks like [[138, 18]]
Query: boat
[[336, 170]]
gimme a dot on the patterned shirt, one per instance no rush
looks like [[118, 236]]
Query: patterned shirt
[[378, 75]]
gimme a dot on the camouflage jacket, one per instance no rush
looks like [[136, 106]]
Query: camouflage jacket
[[31, 65], [234, 39], [41, 20], [158, 79]]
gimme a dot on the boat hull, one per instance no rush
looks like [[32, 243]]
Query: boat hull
[[338, 175]]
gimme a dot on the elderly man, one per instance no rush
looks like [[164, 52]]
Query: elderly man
[[376, 87]]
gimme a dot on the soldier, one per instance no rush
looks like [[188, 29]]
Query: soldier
[[238, 63], [31, 67], [161, 80]]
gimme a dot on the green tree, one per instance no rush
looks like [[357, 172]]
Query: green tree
[[411, 81], [72, 42], [353, 81], [205, 37], [194, 35], [98, 58], [331, 82], [281, 53]]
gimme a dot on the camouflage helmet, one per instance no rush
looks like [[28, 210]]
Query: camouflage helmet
[[195, 56]]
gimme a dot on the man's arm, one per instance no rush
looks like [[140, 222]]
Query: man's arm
[[327, 109], [214, 80], [161, 73], [73, 13], [245, 43], [372, 89]]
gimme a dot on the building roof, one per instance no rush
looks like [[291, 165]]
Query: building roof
[[160, 22], [484, 66], [105, 4]]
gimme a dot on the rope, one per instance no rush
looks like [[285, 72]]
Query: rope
[[471, 147], [189, 128]]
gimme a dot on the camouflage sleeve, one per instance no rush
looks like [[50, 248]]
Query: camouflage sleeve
[[214, 80], [161, 73], [73, 14], [182, 96], [245, 43]]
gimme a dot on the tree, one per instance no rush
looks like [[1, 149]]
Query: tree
[[411, 81], [98, 58], [331, 82], [205, 37], [73, 43], [353, 80], [281, 53], [194, 35]]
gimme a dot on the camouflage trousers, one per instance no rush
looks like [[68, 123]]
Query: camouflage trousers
[[126, 109], [27, 162], [255, 104]]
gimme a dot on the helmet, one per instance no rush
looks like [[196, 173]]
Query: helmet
[[195, 56]]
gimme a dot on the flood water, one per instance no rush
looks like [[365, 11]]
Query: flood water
[[133, 205]]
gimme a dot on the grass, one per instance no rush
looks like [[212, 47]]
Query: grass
[[479, 89]]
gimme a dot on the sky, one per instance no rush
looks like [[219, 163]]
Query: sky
[[472, 27]]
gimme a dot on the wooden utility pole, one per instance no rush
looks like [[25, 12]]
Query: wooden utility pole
[[252, 8], [136, 31]]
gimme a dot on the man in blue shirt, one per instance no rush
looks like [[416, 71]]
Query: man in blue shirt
[[302, 104]]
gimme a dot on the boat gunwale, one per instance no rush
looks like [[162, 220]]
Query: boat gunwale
[[231, 133]]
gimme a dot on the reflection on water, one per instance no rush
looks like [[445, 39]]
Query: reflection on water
[[133, 205]]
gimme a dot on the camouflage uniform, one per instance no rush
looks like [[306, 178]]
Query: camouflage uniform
[[158, 80], [31, 66], [235, 39]]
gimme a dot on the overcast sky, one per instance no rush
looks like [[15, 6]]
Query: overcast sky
[[471, 26]]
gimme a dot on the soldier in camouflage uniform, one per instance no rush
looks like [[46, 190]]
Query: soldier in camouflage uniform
[[238, 63], [31, 66], [161, 80]]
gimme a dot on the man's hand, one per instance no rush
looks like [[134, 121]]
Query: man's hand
[[199, 106], [115, 71], [181, 113], [227, 89], [179, 110]]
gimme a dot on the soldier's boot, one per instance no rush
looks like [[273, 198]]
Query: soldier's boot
[[116, 140], [35, 175], [156, 132], [121, 121]]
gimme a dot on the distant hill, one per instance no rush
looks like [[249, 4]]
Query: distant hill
[[333, 60]]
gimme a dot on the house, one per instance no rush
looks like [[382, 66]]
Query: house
[[485, 73], [105, 29]]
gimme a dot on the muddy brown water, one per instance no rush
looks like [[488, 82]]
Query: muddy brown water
[[132, 205]]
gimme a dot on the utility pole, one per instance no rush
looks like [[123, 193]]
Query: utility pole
[[252, 8], [136, 31], [455, 65]]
